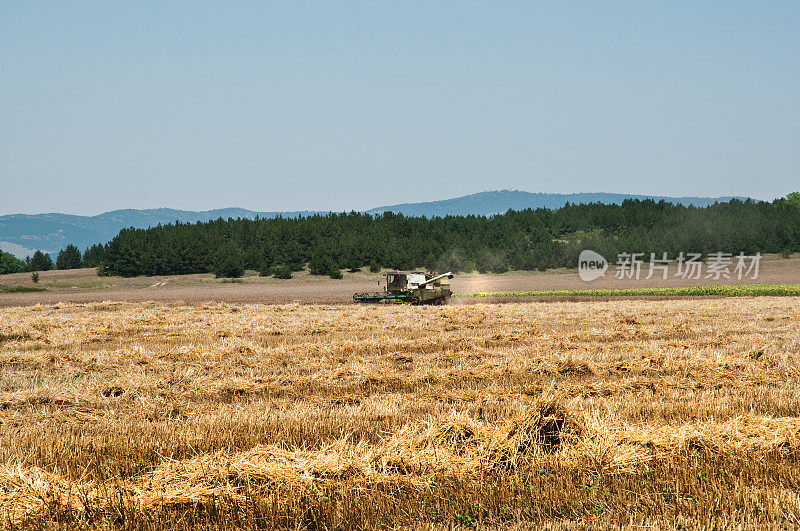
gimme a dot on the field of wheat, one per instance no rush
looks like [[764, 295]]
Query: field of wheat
[[565, 415]]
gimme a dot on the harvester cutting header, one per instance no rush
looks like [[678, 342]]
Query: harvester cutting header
[[411, 288]]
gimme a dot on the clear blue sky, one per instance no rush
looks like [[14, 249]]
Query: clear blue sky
[[350, 105]]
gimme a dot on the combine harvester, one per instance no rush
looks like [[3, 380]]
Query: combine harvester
[[411, 288]]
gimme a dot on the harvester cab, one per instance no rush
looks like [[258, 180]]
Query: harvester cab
[[411, 288]]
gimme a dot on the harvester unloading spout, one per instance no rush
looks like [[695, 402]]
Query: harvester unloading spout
[[449, 275]]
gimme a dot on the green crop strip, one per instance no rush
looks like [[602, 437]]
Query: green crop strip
[[745, 290]]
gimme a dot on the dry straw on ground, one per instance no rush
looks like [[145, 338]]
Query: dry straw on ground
[[558, 414]]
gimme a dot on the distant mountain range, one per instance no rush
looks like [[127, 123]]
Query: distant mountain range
[[22, 234], [497, 202]]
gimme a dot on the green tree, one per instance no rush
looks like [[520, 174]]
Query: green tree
[[281, 271], [10, 263], [229, 264], [68, 258], [40, 262], [93, 255], [793, 199], [265, 270], [321, 264]]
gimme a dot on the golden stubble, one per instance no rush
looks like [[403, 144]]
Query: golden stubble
[[156, 407]]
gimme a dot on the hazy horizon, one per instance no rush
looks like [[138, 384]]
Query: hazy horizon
[[226, 207], [287, 107]]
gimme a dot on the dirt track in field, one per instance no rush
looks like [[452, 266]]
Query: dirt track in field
[[83, 285]]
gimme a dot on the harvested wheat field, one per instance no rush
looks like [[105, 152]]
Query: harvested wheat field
[[561, 415]]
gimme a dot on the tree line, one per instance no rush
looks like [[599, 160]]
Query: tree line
[[69, 257], [520, 240]]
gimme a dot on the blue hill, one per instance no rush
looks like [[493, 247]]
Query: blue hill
[[495, 202]]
